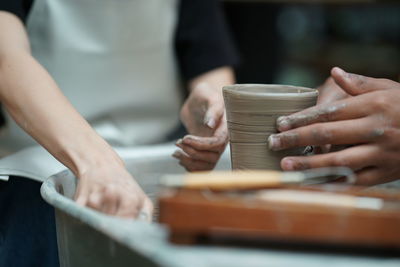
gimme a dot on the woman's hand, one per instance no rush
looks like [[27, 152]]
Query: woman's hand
[[368, 120], [109, 188], [203, 115]]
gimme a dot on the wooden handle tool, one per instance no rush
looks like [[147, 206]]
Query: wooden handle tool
[[254, 179], [219, 180]]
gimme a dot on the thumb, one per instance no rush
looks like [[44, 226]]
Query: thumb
[[355, 84], [213, 114]]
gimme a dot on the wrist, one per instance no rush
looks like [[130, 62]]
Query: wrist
[[216, 79], [87, 153]]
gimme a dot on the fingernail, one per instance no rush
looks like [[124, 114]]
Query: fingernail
[[143, 216], [179, 141], [274, 142], [287, 165], [340, 71], [177, 154], [283, 124], [210, 122]]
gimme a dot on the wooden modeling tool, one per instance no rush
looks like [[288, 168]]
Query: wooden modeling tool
[[239, 180]]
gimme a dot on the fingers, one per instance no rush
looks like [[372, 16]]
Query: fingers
[[355, 84], [110, 200], [322, 149], [340, 132], [207, 156], [81, 194], [214, 114], [215, 143], [130, 205], [330, 92], [373, 176], [204, 108], [95, 199], [105, 200], [191, 164], [367, 161], [202, 153], [121, 199], [351, 108], [355, 158], [147, 210]]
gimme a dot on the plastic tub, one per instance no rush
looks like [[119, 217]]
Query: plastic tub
[[89, 238]]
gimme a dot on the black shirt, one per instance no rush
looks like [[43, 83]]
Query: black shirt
[[202, 40]]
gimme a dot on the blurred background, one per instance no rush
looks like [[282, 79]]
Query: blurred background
[[298, 42]]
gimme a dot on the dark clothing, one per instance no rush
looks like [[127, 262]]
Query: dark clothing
[[20, 8], [202, 40], [27, 226]]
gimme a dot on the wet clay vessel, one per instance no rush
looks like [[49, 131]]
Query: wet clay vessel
[[252, 110]]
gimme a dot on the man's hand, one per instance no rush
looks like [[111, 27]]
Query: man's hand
[[109, 188], [330, 91], [368, 120], [203, 115]]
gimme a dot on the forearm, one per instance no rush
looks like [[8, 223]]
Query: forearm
[[35, 102]]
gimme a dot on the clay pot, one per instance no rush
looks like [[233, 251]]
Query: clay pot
[[252, 110]]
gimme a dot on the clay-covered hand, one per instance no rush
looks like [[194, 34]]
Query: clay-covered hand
[[109, 188], [368, 121], [203, 115], [330, 91]]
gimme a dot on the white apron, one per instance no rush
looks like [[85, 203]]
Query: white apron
[[114, 60]]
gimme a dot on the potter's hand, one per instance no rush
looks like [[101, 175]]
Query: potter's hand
[[109, 188], [369, 120], [203, 115], [203, 110], [330, 91]]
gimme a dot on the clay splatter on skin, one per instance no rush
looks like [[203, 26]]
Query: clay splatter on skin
[[281, 141], [321, 114], [199, 111], [321, 137], [360, 79], [375, 133]]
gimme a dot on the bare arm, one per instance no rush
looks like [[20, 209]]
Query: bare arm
[[36, 103]]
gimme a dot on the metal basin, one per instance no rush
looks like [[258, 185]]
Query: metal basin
[[89, 238]]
